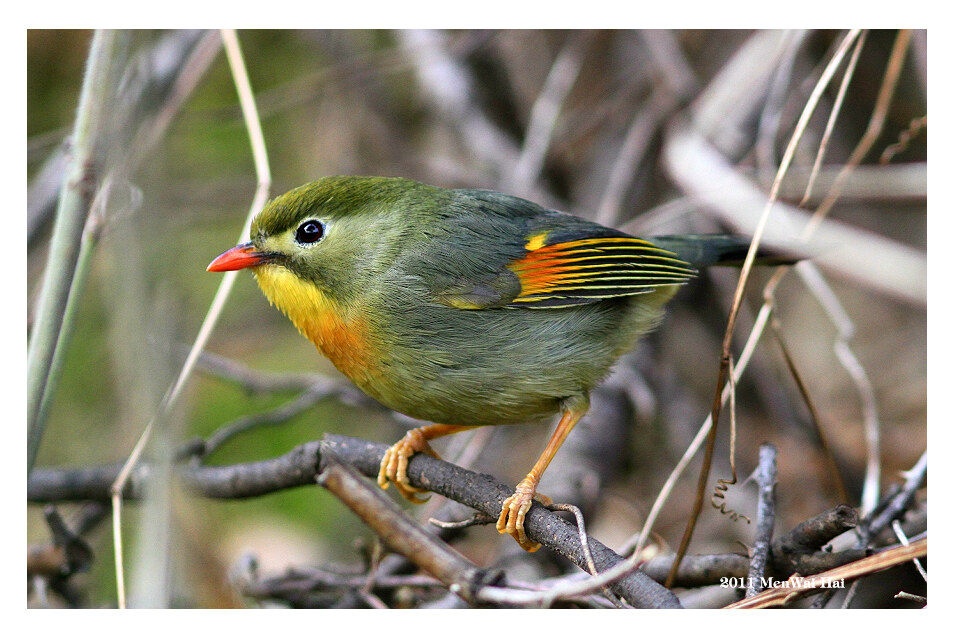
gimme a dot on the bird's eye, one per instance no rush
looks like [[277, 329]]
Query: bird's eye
[[310, 232]]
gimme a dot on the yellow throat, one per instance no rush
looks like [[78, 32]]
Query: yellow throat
[[340, 337]]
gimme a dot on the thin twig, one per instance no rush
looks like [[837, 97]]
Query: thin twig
[[896, 526], [898, 504], [477, 519], [257, 381], [585, 543], [765, 475], [845, 332], [545, 112], [833, 116], [722, 485], [915, 127], [279, 415], [835, 469], [581, 527], [912, 597]]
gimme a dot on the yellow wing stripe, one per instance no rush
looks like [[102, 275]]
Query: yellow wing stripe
[[659, 262], [588, 241], [599, 272], [586, 270], [574, 282], [570, 248]]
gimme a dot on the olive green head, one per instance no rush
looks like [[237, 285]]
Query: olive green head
[[335, 231]]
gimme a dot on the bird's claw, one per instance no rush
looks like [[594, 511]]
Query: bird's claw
[[394, 465], [514, 511]]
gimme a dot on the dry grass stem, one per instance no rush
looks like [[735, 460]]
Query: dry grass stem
[[664, 493], [800, 127], [75, 195], [833, 116], [263, 173]]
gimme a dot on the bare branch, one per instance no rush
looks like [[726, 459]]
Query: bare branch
[[899, 504]]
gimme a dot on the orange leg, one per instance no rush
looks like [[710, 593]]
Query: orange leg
[[394, 463], [516, 507]]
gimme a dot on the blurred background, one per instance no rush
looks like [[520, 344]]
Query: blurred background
[[651, 131]]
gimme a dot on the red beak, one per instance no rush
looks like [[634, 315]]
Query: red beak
[[242, 256]]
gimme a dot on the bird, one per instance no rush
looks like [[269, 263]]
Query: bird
[[463, 307]]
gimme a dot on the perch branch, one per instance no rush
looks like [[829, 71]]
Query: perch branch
[[299, 467]]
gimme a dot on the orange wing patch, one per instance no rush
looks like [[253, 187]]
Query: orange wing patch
[[587, 270]]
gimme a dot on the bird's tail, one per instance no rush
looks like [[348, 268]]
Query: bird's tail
[[721, 250]]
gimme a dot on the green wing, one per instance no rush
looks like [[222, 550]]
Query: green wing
[[501, 251]]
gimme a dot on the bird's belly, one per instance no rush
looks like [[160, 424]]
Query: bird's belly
[[503, 366], [467, 399]]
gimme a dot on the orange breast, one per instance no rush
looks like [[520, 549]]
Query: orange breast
[[344, 342]]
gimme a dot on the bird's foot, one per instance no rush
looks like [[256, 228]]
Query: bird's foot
[[394, 464], [515, 509]]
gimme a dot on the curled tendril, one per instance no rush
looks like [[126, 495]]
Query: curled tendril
[[722, 486]]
